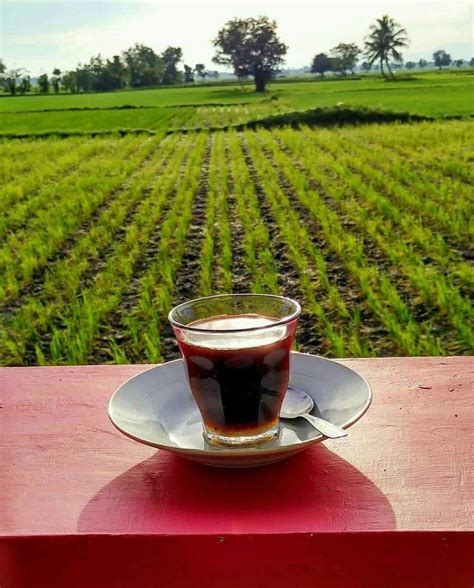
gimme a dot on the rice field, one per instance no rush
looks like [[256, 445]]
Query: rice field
[[148, 119], [368, 227]]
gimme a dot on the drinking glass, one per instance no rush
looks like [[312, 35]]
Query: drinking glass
[[236, 350]]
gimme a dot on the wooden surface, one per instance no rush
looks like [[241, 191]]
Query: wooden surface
[[396, 491]]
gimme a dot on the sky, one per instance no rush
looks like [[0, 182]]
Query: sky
[[40, 36]]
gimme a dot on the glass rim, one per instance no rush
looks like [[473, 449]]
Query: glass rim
[[287, 319]]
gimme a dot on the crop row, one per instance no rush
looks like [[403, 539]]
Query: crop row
[[322, 299], [140, 335], [216, 252], [22, 200], [421, 282], [380, 293], [73, 200], [207, 117], [256, 243], [66, 279], [18, 159], [92, 262], [377, 216], [401, 207], [428, 191]]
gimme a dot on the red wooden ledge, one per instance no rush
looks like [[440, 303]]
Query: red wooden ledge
[[82, 505]]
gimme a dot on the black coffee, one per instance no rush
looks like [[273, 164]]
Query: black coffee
[[238, 379]]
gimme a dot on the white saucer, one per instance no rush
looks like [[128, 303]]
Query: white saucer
[[156, 407]]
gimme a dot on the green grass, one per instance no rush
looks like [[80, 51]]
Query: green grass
[[155, 97], [427, 94], [452, 97], [95, 120], [367, 226]]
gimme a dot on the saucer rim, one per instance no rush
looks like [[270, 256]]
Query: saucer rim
[[239, 451]]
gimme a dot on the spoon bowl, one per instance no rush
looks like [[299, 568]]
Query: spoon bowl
[[298, 404]]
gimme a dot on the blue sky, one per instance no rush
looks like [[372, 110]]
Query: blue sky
[[43, 35]]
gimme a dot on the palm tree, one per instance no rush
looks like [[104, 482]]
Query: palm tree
[[385, 40]]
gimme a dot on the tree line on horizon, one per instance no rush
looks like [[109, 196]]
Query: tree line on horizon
[[250, 46], [137, 67], [344, 58]]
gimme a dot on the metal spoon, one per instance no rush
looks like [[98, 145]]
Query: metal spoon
[[298, 404]]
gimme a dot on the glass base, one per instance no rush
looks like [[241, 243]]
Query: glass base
[[240, 440]]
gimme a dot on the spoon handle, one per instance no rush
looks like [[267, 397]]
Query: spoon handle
[[325, 427]]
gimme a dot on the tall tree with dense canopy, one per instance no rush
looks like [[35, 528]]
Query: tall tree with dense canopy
[[384, 42], [321, 64], [43, 83], [70, 82], [422, 63], [346, 55], [83, 78], [144, 66], [441, 58], [170, 58], [251, 46], [117, 74]]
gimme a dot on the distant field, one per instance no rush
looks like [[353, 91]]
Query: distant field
[[158, 97], [435, 99], [159, 118], [431, 94], [368, 227], [95, 120]]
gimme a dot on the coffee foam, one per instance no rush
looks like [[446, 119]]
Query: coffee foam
[[234, 340]]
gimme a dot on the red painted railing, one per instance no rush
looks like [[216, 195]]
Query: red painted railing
[[389, 506]]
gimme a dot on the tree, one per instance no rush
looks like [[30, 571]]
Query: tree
[[83, 77], [347, 56], [471, 62], [366, 66], [56, 79], [3, 69], [69, 80], [188, 74], [321, 64], [458, 62], [410, 64], [171, 57], [143, 66], [98, 74], [115, 73], [200, 70], [422, 63], [11, 79], [43, 83], [251, 46], [441, 58], [384, 42], [25, 84], [337, 65]]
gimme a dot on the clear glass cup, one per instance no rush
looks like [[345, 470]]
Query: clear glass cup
[[236, 349]]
